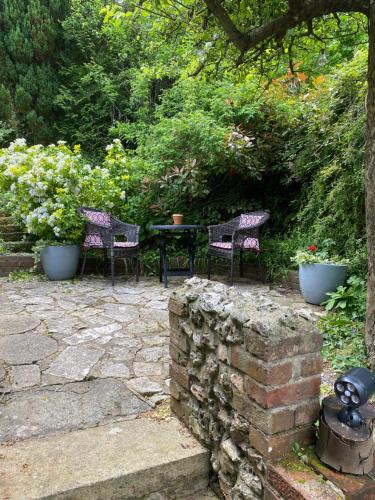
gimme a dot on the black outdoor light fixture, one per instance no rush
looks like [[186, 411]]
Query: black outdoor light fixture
[[353, 389]]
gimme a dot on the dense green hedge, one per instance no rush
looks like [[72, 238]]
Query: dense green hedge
[[295, 149]]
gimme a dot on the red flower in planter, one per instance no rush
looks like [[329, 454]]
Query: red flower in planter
[[312, 248]]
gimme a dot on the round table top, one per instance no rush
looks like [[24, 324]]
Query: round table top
[[174, 227]]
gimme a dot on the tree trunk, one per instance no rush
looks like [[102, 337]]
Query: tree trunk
[[370, 189]]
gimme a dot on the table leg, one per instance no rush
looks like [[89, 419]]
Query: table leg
[[164, 261], [165, 271], [160, 263], [191, 255]]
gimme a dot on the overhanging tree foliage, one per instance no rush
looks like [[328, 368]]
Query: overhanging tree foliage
[[253, 31], [297, 13]]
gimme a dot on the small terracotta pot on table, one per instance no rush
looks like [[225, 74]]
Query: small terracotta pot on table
[[178, 218]]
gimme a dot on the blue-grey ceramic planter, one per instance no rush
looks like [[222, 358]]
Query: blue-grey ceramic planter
[[60, 262], [316, 280]]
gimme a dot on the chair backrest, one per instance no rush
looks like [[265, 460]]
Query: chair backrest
[[251, 219], [96, 216], [248, 220]]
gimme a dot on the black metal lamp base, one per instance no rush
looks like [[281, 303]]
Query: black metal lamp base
[[350, 417]]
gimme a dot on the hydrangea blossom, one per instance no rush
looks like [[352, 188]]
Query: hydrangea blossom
[[44, 185]]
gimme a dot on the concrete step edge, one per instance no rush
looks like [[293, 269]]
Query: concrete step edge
[[121, 460], [16, 255]]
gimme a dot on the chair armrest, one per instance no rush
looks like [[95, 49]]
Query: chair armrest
[[131, 231], [216, 232]]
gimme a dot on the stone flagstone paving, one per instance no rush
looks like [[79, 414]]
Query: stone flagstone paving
[[77, 354]]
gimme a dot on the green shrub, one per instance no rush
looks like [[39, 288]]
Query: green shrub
[[44, 185], [350, 299], [21, 275], [326, 157], [343, 327], [344, 345], [3, 247], [277, 253]]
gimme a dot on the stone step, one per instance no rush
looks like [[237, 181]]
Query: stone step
[[9, 228], [14, 236], [6, 219], [23, 246], [15, 262], [136, 459]]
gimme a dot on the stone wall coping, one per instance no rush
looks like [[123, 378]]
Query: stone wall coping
[[251, 311]]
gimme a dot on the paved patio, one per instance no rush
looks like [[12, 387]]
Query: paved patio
[[78, 354]]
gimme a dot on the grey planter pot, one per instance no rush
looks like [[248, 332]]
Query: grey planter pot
[[316, 280], [60, 262]]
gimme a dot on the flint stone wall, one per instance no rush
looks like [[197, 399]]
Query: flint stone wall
[[245, 379]]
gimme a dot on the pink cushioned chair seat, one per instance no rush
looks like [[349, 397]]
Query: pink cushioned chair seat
[[94, 240], [124, 244], [249, 244]]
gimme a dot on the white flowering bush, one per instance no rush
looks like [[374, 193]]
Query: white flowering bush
[[42, 186]]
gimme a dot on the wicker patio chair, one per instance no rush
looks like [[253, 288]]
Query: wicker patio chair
[[238, 235], [101, 232]]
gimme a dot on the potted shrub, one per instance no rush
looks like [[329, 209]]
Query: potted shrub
[[45, 185], [319, 273]]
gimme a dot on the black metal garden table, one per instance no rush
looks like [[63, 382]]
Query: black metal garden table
[[167, 233]]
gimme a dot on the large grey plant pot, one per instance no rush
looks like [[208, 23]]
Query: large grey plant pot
[[60, 262], [316, 280]]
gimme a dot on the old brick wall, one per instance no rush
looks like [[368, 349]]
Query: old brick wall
[[245, 379]]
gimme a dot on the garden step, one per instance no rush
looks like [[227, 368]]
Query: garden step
[[15, 236], [6, 220], [15, 262], [135, 459], [9, 228], [19, 246]]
